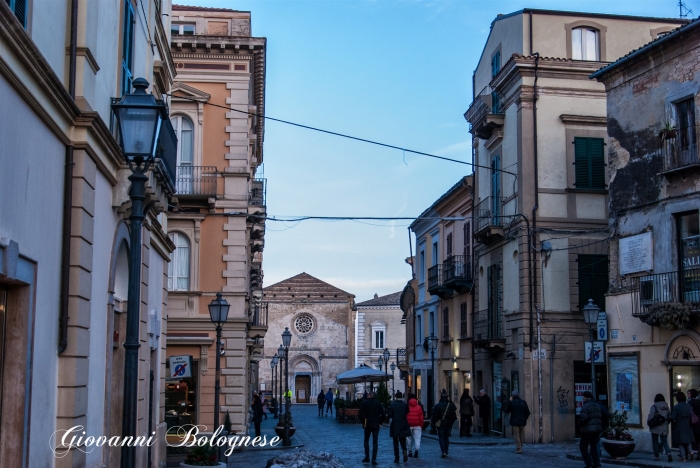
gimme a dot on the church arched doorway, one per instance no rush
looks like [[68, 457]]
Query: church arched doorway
[[302, 384]]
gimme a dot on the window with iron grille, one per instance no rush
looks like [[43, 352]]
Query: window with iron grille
[[592, 279], [446, 323], [589, 161], [463, 320]]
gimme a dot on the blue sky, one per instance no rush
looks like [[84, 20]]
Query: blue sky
[[394, 71]]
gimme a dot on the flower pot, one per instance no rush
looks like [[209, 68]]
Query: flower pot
[[279, 430], [185, 465], [618, 448]]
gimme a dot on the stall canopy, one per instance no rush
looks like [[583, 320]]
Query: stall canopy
[[361, 375]]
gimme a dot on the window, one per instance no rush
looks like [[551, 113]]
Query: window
[[463, 320], [689, 243], [589, 162], [467, 238], [179, 266], [685, 119], [19, 8], [127, 48], [448, 245], [419, 330], [421, 265], [446, 323], [592, 280], [435, 253], [494, 300], [378, 339], [585, 44], [185, 140], [496, 63], [496, 190], [182, 28]]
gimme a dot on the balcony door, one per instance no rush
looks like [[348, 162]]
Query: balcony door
[[685, 119], [184, 129], [689, 253], [496, 190]]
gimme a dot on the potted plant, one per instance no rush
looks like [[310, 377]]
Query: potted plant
[[279, 428], [673, 315], [617, 440], [668, 131], [204, 455]]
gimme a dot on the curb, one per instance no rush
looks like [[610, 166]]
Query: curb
[[623, 462]]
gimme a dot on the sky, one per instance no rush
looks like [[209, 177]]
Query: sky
[[394, 71]]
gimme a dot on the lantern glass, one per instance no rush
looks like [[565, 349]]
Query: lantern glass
[[380, 361], [392, 367], [590, 312], [286, 337], [432, 342], [139, 117], [218, 310], [280, 352], [387, 354]]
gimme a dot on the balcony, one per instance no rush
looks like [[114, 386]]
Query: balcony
[[665, 288], [196, 181], [488, 329], [258, 192], [680, 150], [489, 220], [258, 318], [457, 273], [485, 114], [435, 282]]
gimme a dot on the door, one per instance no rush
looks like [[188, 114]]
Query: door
[[302, 384], [496, 191]]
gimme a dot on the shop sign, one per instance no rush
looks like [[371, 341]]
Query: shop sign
[[180, 367], [580, 388]]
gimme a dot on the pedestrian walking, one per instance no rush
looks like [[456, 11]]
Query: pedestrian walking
[[658, 426], [519, 412], [321, 400], [399, 429], [682, 429], [415, 418], [694, 402], [484, 403], [605, 418], [371, 415], [466, 412], [264, 407], [257, 414], [591, 425], [329, 402], [444, 416]]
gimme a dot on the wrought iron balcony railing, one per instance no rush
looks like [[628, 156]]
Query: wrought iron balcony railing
[[489, 212], [196, 180], [485, 113], [259, 316], [680, 148], [664, 288], [488, 325], [258, 192], [434, 277], [456, 269]]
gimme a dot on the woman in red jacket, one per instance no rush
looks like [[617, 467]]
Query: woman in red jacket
[[415, 418]]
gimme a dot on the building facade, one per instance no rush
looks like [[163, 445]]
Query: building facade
[[443, 278], [320, 318], [64, 228], [218, 227], [541, 206], [654, 297], [378, 326]]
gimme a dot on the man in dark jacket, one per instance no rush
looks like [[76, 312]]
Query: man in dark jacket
[[329, 402], [519, 412], [371, 415], [444, 416], [484, 403], [466, 411], [399, 429], [321, 400], [591, 423]]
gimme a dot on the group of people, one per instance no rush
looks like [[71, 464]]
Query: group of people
[[325, 399], [685, 416]]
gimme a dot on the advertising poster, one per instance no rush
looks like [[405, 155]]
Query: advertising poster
[[579, 389], [624, 379]]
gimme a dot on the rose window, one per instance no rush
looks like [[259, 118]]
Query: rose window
[[304, 324]]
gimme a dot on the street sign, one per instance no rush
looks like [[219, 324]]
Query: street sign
[[598, 352], [602, 326], [539, 354], [180, 367]]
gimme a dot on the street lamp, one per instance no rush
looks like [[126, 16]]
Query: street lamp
[[280, 355], [393, 378], [273, 367], [590, 315], [432, 345], [286, 340], [218, 311], [139, 116]]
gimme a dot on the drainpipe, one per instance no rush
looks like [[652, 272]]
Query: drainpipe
[[68, 192], [537, 197]]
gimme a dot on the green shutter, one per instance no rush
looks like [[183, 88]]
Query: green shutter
[[589, 161], [592, 279]]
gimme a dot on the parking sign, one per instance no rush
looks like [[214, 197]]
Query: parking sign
[[180, 367]]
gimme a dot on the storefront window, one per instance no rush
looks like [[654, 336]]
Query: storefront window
[[689, 242], [624, 386], [181, 399]]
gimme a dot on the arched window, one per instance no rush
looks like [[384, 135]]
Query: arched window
[[185, 140], [179, 266], [585, 44]]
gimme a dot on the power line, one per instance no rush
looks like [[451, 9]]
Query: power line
[[342, 135]]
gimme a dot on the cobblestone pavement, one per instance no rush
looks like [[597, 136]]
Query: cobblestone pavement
[[345, 441]]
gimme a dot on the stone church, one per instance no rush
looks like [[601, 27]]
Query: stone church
[[320, 317]]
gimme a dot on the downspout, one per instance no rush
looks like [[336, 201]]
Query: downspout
[[68, 192], [537, 198], [474, 271], [551, 388], [530, 31]]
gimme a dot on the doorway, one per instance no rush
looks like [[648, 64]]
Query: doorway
[[302, 384]]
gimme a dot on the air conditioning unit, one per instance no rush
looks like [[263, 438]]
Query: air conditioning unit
[[653, 290]]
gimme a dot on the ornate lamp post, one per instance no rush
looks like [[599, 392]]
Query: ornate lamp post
[[273, 367], [280, 355], [286, 340], [218, 311], [432, 345], [139, 116], [590, 315], [393, 379], [380, 363]]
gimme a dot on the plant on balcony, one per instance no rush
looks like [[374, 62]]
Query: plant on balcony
[[673, 315], [617, 427], [668, 131]]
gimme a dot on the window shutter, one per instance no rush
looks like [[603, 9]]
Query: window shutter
[[592, 279], [581, 162], [21, 11], [589, 161], [596, 153]]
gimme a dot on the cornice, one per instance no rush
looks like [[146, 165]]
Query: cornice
[[87, 53], [193, 55], [571, 119]]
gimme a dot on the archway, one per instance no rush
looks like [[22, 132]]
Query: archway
[[305, 378]]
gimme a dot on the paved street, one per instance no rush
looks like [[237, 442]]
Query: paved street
[[345, 441]]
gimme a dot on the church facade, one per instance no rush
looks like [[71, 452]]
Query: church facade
[[320, 318]]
